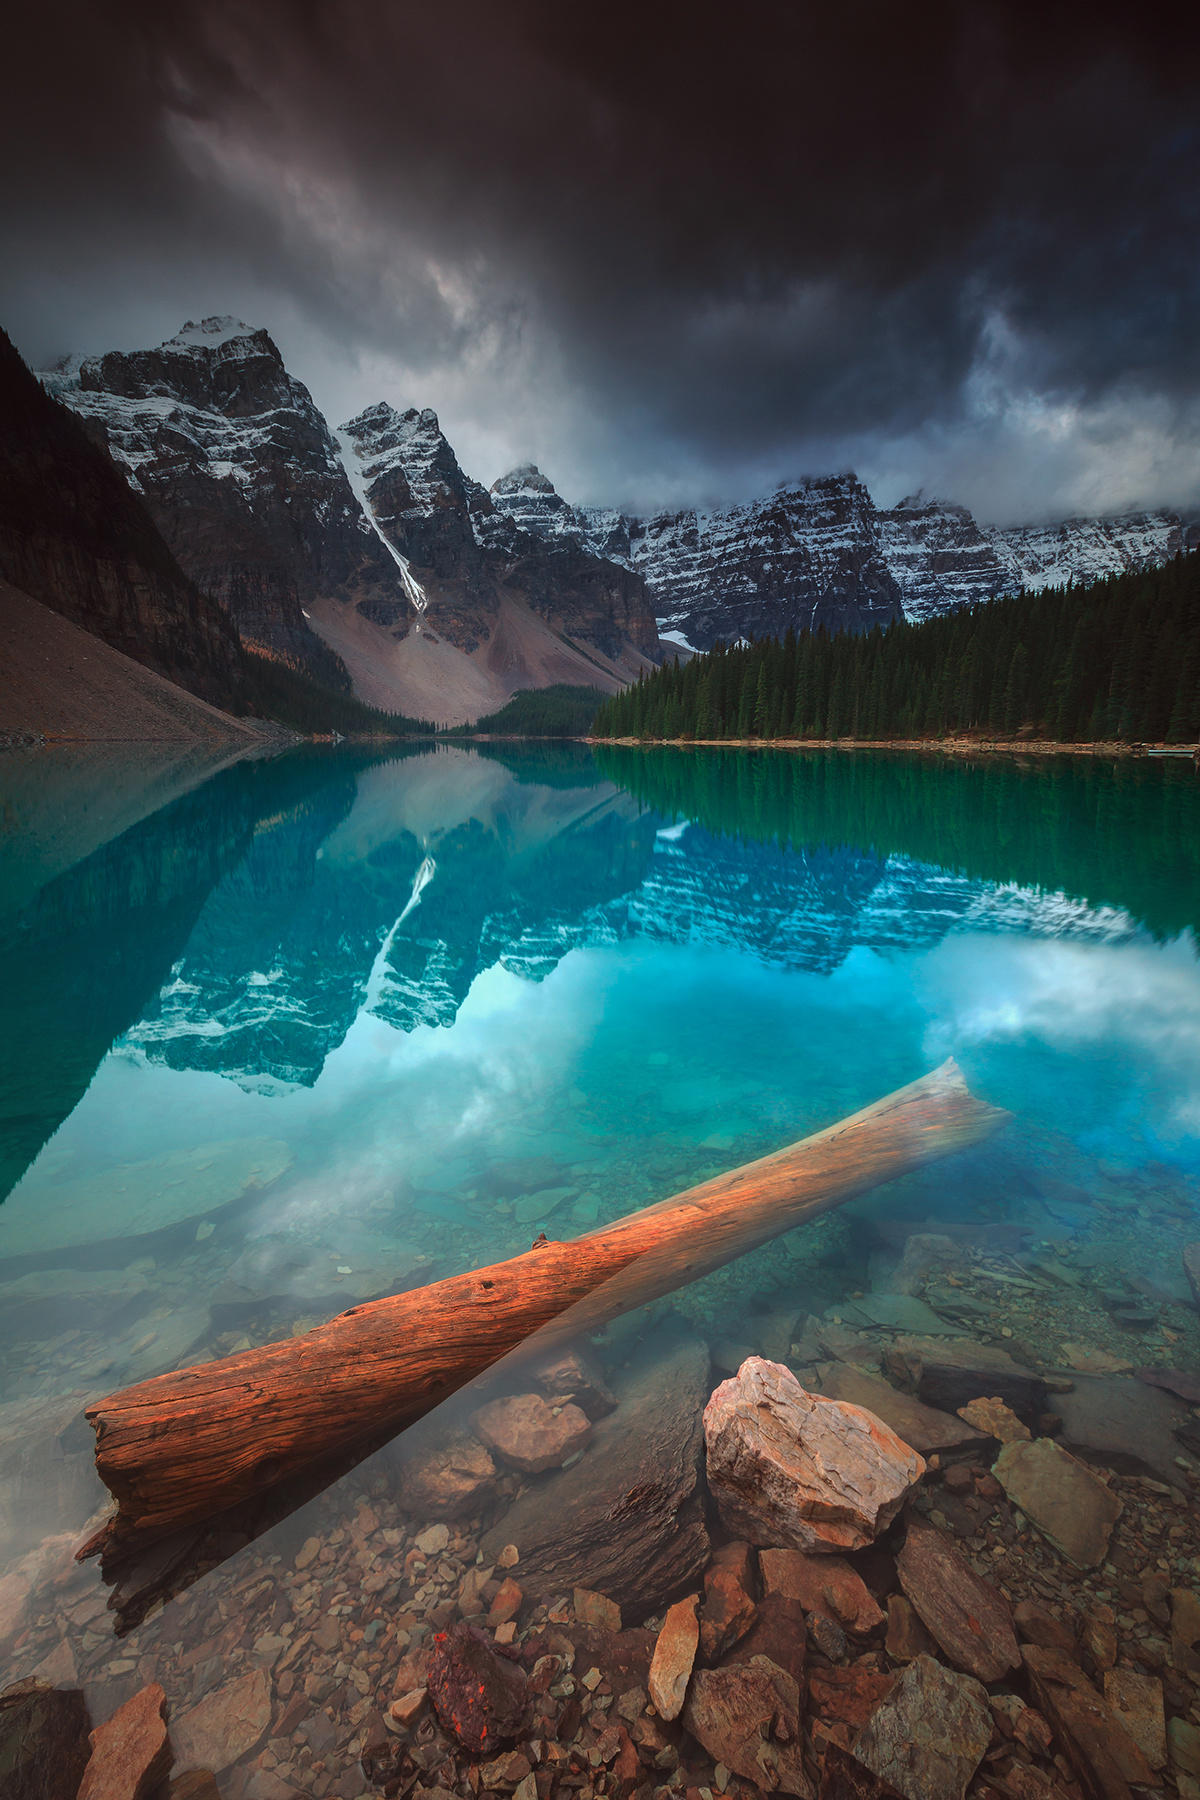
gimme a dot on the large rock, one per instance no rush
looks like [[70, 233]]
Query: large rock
[[727, 1611], [1123, 1425], [791, 1469], [571, 1374], [949, 1374], [130, 1753], [674, 1655], [748, 1717], [967, 1617], [779, 1631], [443, 1476], [999, 1421], [478, 1695], [44, 1746], [826, 1585], [1068, 1503], [1101, 1751], [929, 1736], [225, 1725], [924, 1427], [524, 1431], [1137, 1700], [628, 1518]]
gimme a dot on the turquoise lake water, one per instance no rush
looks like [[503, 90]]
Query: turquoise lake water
[[289, 1034]]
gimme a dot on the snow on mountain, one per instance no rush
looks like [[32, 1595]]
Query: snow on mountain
[[1087, 549]]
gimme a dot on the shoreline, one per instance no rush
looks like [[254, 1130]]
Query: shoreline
[[957, 746]]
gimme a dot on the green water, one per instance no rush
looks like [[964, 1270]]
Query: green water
[[289, 1034]]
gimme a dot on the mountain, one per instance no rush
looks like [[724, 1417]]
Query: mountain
[[364, 557], [820, 553], [73, 537]]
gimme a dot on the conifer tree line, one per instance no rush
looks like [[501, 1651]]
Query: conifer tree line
[[1116, 660]]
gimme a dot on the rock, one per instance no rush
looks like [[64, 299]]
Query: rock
[[787, 1467], [996, 1420], [195, 1784], [571, 1374], [966, 1616], [823, 1584], [924, 1252], [1105, 1758], [929, 1736], [1191, 1268], [727, 1610], [1137, 1700], [432, 1541], [906, 1636], [628, 1519], [1123, 1425], [674, 1655], [130, 1753], [843, 1777], [596, 1609], [443, 1476], [528, 1434], [505, 1771], [1090, 1361], [407, 1709], [479, 1696], [44, 1747], [924, 1427], [1175, 1381], [1069, 1504], [952, 1374], [848, 1696], [778, 1632], [1037, 1626], [1185, 1632], [748, 1717], [226, 1724], [1183, 1741], [507, 1603], [895, 1312], [1098, 1638]]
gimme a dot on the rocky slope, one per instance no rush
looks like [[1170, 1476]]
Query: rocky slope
[[820, 553], [339, 552], [75, 538]]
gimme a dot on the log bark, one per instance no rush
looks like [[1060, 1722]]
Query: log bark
[[180, 1447]]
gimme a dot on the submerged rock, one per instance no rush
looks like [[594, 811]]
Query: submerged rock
[[924, 1427], [970, 1620], [44, 1746], [1123, 1424], [1137, 1700], [478, 1695], [530, 1435], [929, 1736], [1191, 1268], [727, 1612], [996, 1420], [790, 1468], [130, 1753], [827, 1585], [748, 1717], [674, 1656], [226, 1724], [1067, 1502], [1101, 1751], [444, 1477], [951, 1374]]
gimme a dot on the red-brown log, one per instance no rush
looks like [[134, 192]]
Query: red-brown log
[[180, 1447]]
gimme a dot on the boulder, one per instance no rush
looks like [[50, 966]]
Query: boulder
[[924, 1252], [924, 1427], [130, 1753], [571, 1374], [1175, 1381], [906, 1636], [929, 1736], [443, 1474], [226, 1724], [479, 1696], [748, 1717], [1070, 1505], [996, 1420], [628, 1518], [596, 1609], [1122, 1425], [529, 1434], [828, 1585], [848, 1696], [779, 1633], [727, 1610], [1136, 1699], [1103, 1755], [950, 1374], [843, 1777], [790, 1468], [674, 1655], [44, 1747], [968, 1618]]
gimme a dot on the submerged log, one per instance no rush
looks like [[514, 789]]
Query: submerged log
[[180, 1447]]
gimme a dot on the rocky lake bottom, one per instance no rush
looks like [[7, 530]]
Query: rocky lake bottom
[[904, 1502]]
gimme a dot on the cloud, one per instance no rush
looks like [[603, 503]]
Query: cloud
[[670, 253]]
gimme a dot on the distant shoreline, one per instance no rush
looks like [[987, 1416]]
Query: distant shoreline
[[949, 746]]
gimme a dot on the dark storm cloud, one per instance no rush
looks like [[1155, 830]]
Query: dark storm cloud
[[679, 248]]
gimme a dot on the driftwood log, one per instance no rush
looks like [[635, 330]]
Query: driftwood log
[[180, 1447]]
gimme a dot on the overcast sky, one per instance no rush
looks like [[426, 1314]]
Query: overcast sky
[[671, 253]]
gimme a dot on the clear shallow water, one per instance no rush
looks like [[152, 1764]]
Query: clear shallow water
[[286, 1035]]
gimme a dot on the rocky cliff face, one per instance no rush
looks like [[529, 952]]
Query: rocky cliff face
[[305, 535], [820, 553], [74, 537]]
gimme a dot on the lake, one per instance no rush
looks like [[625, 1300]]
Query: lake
[[284, 1035]]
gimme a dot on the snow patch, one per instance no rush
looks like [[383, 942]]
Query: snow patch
[[356, 476]]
